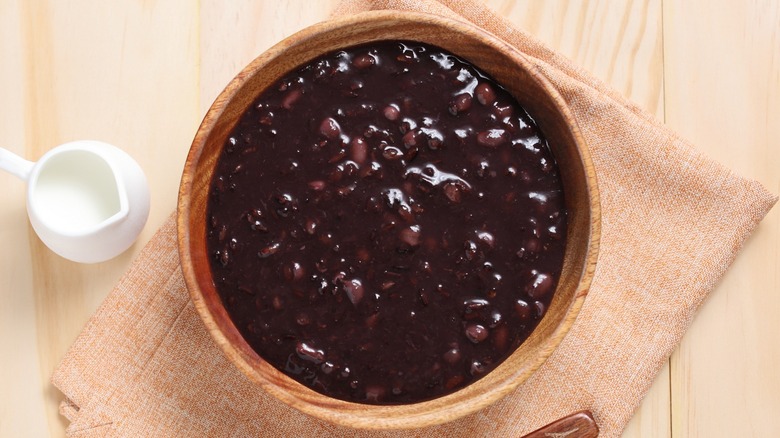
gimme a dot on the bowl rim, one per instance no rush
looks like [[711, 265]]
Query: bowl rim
[[352, 414]]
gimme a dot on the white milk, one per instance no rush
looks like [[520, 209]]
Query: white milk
[[76, 191]]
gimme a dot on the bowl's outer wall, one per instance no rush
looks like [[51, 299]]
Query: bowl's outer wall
[[510, 69]]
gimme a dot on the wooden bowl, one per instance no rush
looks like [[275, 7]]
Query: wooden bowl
[[529, 87]]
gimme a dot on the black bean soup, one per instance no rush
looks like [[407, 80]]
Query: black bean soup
[[387, 224]]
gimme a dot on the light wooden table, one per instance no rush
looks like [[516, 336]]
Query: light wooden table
[[140, 74]]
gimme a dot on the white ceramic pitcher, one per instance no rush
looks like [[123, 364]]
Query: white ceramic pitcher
[[86, 200]]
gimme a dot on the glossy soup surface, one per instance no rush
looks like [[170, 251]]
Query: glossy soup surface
[[387, 224]]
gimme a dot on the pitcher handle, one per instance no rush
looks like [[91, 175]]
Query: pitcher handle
[[15, 165]]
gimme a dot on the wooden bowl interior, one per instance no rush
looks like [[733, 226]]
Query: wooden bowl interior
[[511, 70]]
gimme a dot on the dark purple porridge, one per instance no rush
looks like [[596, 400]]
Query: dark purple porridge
[[387, 224]]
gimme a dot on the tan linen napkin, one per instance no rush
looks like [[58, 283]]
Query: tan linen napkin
[[673, 221]]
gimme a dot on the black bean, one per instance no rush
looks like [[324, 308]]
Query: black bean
[[303, 319], [391, 112], [453, 192], [363, 61], [372, 321], [407, 124], [474, 306], [483, 169], [501, 338], [539, 309], [392, 153], [485, 94], [424, 298], [411, 139], [460, 104], [354, 290], [476, 333], [355, 85], [452, 356], [359, 150], [406, 214], [495, 318], [477, 368], [224, 257], [293, 271], [374, 169], [310, 227], [339, 155], [330, 128], [258, 225], [540, 285], [291, 97], [523, 310], [454, 381], [471, 250], [410, 235], [502, 110], [317, 185], [309, 353], [532, 245], [375, 393], [492, 138], [346, 190], [487, 239], [266, 118], [269, 250]]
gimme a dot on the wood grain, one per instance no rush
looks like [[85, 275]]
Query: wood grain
[[722, 64], [142, 74]]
